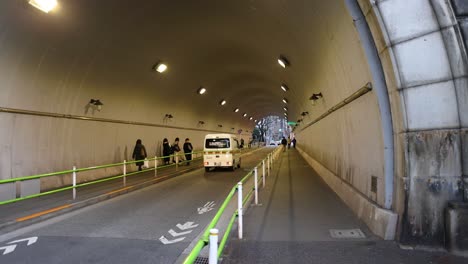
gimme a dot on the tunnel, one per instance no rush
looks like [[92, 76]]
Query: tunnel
[[376, 92]]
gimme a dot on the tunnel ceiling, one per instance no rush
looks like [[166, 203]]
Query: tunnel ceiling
[[229, 47]]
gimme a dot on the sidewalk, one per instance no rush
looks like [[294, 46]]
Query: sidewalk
[[295, 220]]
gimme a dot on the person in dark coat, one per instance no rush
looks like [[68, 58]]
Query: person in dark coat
[[188, 151], [175, 149], [139, 153], [284, 142], [294, 142], [167, 151]]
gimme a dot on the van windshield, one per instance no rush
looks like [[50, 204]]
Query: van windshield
[[214, 143]]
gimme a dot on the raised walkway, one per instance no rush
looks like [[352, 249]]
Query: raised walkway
[[295, 222]]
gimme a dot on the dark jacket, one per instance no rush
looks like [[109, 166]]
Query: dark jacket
[[175, 147], [139, 153], [284, 142], [167, 151], [188, 147]]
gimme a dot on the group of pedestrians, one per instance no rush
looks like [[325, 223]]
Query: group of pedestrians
[[288, 142], [140, 154], [175, 150]]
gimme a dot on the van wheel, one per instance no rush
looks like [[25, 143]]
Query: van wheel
[[207, 169]]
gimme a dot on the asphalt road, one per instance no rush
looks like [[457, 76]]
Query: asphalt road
[[131, 228]]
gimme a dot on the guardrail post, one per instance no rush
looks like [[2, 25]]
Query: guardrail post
[[271, 160], [213, 259], [74, 182], [239, 207], [125, 173], [256, 185], [268, 164], [155, 166], [263, 171]]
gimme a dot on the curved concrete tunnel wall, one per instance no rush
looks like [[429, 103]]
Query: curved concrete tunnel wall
[[424, 62]]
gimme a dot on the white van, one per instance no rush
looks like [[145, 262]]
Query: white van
[[221, 150]]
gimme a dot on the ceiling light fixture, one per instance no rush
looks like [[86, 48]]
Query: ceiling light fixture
[[160, 67], [222, 102], [244, 115], [284, 87], [250, 118], [285, 108], [283, 61], [44, 5], [201, 90], [236, 110], [255, 120], [285, 100]]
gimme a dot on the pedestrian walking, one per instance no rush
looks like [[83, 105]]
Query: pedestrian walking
[[294, 142], [284, 142], [139, 154], [289, 142], [188, 148], [167, 151], [175, 149]]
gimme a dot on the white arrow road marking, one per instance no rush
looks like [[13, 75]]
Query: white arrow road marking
[[175, 234], [165, 241], [31, 240], [188, 225], [13, 244], [8, 249], [206, 208]]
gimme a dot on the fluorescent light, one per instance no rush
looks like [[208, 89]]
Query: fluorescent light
[[160, 67], [285, 108], [245, 114], [285, 100], [255, 120], [286, 114], [44, 5], [283, 62], [236, 110], [250, 118], [201, 90], [222, 102], [284, 87]]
